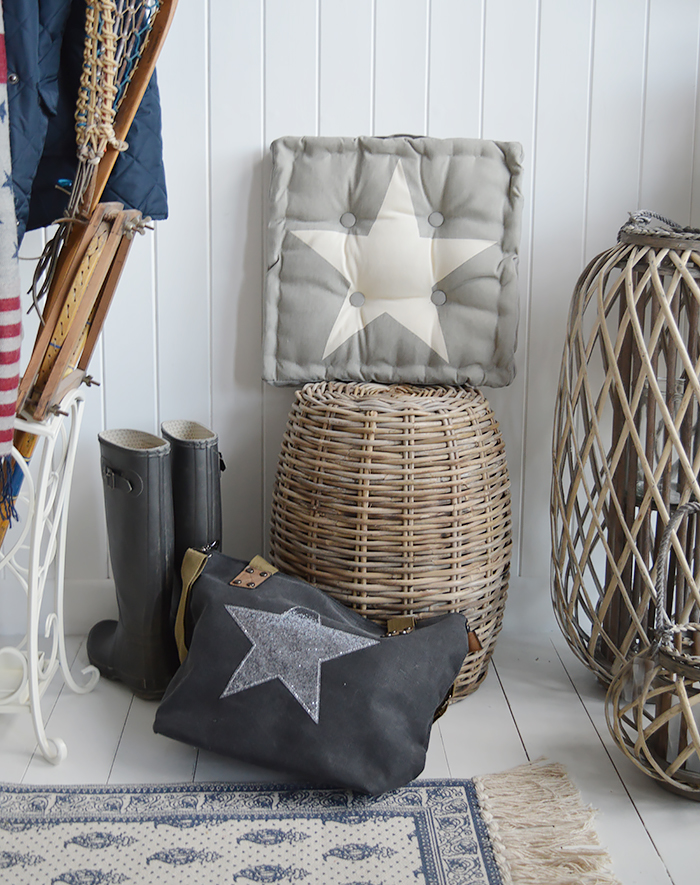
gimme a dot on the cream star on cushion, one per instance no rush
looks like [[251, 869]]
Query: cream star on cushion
[[392, 270]]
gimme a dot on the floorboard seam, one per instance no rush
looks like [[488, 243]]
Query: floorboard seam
[[510, 710], [612, 760], [121, 735]]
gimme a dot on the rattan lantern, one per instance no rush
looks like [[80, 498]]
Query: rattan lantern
[[653, 703], [626, 449], [396, 499]]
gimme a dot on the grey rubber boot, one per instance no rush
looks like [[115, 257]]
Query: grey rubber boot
[[138, 649], [196, 471]]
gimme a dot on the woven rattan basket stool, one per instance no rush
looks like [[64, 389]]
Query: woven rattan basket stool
[[396, 500]]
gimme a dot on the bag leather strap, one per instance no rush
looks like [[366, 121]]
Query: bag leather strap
[[193, 564]]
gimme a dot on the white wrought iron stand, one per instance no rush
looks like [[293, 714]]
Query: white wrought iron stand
[[26, 670]]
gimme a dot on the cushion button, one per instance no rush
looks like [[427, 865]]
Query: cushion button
[[347, 219], [436, 219], [438, 297], [357, 299]]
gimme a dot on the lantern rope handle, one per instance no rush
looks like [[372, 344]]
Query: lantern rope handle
[[664, 627], [649, 223]]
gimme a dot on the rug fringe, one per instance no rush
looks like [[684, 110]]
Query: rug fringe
[[542, 833]]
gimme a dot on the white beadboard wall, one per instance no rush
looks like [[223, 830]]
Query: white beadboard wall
[[601, 93]]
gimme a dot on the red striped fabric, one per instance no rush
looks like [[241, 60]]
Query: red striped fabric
[[8, 357], [9, 383], [10, 303]]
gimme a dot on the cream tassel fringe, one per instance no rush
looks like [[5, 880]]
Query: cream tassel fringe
[[542, 833]]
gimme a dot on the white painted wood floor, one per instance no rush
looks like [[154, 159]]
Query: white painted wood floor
[[537, 700]]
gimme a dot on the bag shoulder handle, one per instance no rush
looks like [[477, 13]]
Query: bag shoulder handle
[[192, 567]]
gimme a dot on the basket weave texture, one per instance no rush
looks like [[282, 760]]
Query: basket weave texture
[[651, 704], [626, 445], [396, 500]]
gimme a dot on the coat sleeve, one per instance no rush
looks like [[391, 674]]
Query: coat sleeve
[[34, 32], [45, 44]]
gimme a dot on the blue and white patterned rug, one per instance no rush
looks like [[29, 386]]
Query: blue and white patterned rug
[[447, 832]]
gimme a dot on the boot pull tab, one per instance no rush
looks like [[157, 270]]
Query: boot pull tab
[[115, 480]]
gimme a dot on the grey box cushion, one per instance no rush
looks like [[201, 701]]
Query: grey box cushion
[[392, 260]]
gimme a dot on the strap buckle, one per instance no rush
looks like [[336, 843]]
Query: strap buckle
[[254, 574], [399, 625]]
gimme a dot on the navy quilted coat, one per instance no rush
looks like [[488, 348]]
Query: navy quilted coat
[[44, 44]]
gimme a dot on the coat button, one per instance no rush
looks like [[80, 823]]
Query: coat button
[[12, 79]]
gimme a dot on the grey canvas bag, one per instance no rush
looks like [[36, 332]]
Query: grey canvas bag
[[279, 674]]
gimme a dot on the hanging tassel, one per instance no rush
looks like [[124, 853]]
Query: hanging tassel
[[11, 480]]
